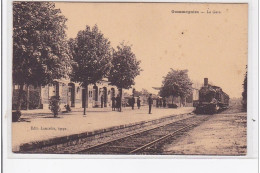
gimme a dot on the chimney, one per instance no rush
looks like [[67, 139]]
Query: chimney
[[206, 81]]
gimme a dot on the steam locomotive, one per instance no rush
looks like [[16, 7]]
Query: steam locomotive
[[211, 99]]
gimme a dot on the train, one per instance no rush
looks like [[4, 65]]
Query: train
[[212, 99]]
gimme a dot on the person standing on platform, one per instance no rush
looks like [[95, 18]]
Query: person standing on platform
[[160, 102], [133, 102], [150, 102], [164, 102], [138, 102], [118, 103], [113, 103], [102, 101], [157, 102]]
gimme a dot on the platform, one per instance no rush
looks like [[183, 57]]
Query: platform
[[38, 125]]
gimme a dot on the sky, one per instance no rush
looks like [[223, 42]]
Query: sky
[[212, 45]]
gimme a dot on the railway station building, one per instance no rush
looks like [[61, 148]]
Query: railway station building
[[70, 93]]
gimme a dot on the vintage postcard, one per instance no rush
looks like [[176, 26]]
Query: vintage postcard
[[129, 78]]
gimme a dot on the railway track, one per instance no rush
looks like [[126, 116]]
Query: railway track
[[72, 146], [136, 141], [143, 142]]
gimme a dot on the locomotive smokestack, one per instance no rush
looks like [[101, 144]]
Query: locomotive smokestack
[[206, 81]]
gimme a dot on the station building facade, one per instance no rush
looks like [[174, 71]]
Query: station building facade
[[70, 93]]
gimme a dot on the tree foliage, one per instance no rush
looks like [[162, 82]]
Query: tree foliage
[[92, 53], [244, 93], [143, 92], [40, 50], [125, 67], [176, 83]]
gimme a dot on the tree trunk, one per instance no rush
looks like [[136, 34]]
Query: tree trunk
[[27, 97], [40, 96], [172, 99], [85, 99], [55, 114], [120, 94], [20, 92]]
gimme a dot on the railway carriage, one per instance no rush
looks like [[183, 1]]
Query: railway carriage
[[211, 99]]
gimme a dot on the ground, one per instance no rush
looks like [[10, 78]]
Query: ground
[[222, 134], [37, 125]]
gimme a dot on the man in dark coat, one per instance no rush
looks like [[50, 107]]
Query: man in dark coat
[[150, 102], [113, 103], [160, 103], [133, 102], [138, 102], [102, 101], [164, 102], [118, 103], [157, 102]]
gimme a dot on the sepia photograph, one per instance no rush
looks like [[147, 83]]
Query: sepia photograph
[[107, 78]]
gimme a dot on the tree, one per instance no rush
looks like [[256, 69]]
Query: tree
[[92, 54], [125, 67], [145, 92], [142, 92], [138, 93], [40, 50], [244, 93], [176, 83]]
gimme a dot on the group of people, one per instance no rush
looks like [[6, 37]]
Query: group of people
[[160, 102], [149, 100], [133, 102], [116, 103]]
